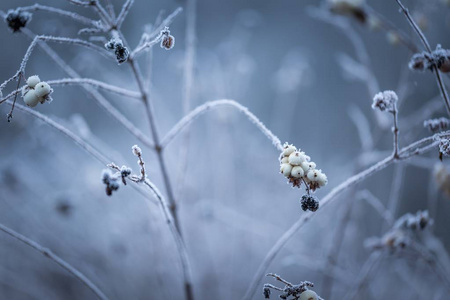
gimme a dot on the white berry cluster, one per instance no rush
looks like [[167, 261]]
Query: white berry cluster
[[36, 91], [298, 168]]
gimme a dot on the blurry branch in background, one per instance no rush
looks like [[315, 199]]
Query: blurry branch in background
[[62, 263], [188, 86]]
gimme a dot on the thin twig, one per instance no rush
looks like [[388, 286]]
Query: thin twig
[[194, 114], [62, 263], [123, 13], [61, 12]]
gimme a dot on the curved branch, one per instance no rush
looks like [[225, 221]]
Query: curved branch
[[200, 110], [62, 263]]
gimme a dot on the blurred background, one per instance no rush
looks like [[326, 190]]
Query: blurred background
[[293, 65]]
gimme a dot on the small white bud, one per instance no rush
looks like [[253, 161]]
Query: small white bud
[[42, 89], [288, 149], [308, 166], [285, 160], [286, 169], [297, 172], [308, 295], [136, 150], [30, 98], [296, 158], [33, 80]]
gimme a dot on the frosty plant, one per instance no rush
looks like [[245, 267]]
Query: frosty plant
[[295, 164], [298, 168]]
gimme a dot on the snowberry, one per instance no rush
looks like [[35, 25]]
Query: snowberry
[[42, 89], [30, 98], [308, 295], [286, 169], [285, 160], [297, 172], [296, 158], [308, 165], [288, 149], [33, 80]]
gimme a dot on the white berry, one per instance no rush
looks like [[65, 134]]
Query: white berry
[[308, 166], [33, 80], [42, 89], [297, 172], [30, 98], [284, 160], [288, 149], [286, 169], [296, 158], [308, 295]]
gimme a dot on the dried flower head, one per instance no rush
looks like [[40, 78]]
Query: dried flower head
[[167, 40], [110, 180], [421, 62], [122, 53], [385, 101], [17, 19], [436, 125], [439, 58]]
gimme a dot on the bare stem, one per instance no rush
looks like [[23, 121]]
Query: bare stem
[[62, 263], [61, 12], [395, 132], [194, 114]]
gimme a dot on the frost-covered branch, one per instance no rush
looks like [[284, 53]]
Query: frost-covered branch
[[55, 258], [200, 110], [123, 13], [60, 12]]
